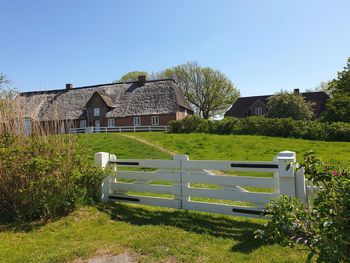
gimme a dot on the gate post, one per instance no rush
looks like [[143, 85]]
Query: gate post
[[101, 160], [285, 177]]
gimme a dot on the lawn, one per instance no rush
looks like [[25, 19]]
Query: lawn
[[152, 234], [157, 234], [247, 147]]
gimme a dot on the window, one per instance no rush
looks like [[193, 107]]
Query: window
[[258, 111], [185, 112], [27, 125], [96, 112], [111, 123], [82, 124], [155, 120], [137, 121]]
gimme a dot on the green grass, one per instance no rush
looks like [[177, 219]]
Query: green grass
[[245, 147], [154, 234], [123, 147], [159, 234]]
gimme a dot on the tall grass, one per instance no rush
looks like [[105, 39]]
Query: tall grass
[[42, 176]]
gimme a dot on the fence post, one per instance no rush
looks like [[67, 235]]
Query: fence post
[[285, 178], [300, 185], [184, 184], [101, 160]]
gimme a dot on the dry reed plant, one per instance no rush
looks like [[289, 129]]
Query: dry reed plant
[[43, 174]]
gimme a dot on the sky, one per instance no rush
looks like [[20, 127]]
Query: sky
[[261, 46]]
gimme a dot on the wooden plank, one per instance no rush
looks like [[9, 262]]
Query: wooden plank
[[224, 209], [231, 166], [260, 198], [139, 187], [229, 180], [147, 176], [166, 164], [145, 200]]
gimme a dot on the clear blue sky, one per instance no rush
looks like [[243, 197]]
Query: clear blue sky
[[262, 46]]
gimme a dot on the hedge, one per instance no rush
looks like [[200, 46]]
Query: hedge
[[258, 125]]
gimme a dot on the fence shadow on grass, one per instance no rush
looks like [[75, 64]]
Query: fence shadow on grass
[[241, 231]]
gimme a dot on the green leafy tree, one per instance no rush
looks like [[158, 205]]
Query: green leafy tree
[[289, 105], [338, 107], [208, 90], [131, 76]]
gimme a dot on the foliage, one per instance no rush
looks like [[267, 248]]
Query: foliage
[[131, 76], [208, 90], [341, 85], [325, 229], [259, 125], [43, 177], [338, 107], [289, 105]]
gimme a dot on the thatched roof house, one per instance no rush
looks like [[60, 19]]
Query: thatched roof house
[[138, 103]]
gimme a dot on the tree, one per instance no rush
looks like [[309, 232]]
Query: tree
[[131, 76], [3, 81], [338, 107], [208, 90], [289, 105]]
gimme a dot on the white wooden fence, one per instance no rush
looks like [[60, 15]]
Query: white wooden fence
[[92, 129], [182, 177]]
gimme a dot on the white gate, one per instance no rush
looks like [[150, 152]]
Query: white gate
[[184, 181]]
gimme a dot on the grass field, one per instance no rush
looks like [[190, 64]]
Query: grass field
[[157, 234], [246, 147], [152, 234]]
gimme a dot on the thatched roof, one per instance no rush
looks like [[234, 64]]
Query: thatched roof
[[124, 99]]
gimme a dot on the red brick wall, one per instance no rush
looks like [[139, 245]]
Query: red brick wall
[[145, 120]]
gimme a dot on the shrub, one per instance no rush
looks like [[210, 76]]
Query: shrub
[[43, 177], [338, 131], [325, 229], [259, 125], [225, 126]]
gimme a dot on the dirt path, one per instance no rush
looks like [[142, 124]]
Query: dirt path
[[158, 147]]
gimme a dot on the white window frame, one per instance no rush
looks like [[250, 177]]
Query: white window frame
[[82, 124], [97, 112], [111, 122], [137, 121], [258, 110], [154, 120]]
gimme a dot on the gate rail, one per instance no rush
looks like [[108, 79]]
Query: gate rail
[[181, 176]]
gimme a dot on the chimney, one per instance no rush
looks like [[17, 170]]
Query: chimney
[[69, 86], [141, 80], [296, 91]]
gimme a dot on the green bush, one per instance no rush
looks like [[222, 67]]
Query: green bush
[[43, 177], [259, 125], [325, 228]]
